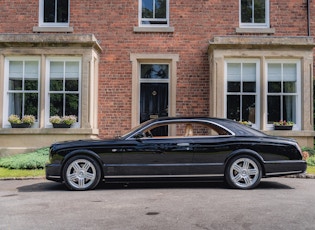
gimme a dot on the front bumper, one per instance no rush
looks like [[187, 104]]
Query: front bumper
[[53, 172]]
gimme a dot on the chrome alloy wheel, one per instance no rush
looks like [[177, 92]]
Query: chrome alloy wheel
[[81, 174], [244, 172]]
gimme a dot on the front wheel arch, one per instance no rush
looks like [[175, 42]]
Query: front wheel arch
[[81, 172]]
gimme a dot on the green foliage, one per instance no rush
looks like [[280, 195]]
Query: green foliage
[[310, 170], [311, 161], [33, 160], [310, 151]]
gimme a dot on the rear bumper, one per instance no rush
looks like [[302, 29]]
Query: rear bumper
[[53, 172], [280, 168]]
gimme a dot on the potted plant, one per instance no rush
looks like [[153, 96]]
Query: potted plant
[[26, 122], [62, 122], [247, 123], [283, 125]]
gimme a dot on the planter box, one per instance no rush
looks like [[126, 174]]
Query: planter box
[[283, 127], [61, 126], [22, 125]]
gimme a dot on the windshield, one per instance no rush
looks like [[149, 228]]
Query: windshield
[[134, 129]]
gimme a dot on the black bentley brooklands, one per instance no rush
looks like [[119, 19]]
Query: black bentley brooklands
[[176, 149]]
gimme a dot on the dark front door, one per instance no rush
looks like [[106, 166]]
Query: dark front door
[[154, 103]]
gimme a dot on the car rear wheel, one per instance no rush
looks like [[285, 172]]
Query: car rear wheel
[[81, 173], [243, 172]]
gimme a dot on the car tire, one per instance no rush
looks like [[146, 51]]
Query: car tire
[[81, 173], [243, 172]]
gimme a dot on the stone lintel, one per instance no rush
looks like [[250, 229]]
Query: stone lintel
[[254, 42], [49, 40]]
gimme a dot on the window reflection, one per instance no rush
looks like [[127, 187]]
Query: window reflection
[[154, 71]]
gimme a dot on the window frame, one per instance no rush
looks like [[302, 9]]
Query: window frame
[[141, 24], [256, 61], [51, 24], [7, 91], [253, 24], [297, 125], [48, 91]]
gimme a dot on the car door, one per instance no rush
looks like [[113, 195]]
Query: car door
[[210, 154], [158, 157]]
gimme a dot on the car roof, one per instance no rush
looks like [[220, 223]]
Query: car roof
[[233, 126]]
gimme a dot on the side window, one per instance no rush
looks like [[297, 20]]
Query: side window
[[63, 87], [254, 13], [153, 12], [242, 90], [22, 87], [54, 13], [183, 129], [282, 94]]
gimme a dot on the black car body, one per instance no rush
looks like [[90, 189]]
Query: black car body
[[176, 149]]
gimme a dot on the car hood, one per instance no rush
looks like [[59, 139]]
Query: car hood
[[83, 143]]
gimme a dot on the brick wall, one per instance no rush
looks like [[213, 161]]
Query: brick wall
[[195, 23]]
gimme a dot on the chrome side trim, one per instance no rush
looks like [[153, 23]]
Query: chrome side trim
[[284, 162], [283, 173], [165, 176], [56, 177], [164, 165]]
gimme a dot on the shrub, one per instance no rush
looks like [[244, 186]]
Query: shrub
[[310, 151], [311, 161], [32, 160]]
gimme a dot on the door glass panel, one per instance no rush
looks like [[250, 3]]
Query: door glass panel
[[154, 71]]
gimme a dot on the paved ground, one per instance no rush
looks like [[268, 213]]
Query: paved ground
[[278, 203]]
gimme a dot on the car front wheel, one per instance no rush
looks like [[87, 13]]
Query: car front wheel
[[81, 173], [243, 172]]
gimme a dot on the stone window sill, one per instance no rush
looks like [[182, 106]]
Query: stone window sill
[[137, 29], [53, 29], [255, 30]]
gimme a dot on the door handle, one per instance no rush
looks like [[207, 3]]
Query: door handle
[[183, 144]]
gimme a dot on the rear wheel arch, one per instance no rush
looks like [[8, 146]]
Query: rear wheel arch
[[243, 170], [246, 152]]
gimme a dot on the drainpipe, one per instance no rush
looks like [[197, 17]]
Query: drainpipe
[[308, 18]]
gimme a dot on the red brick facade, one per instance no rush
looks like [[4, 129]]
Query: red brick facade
[[195, 23]]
